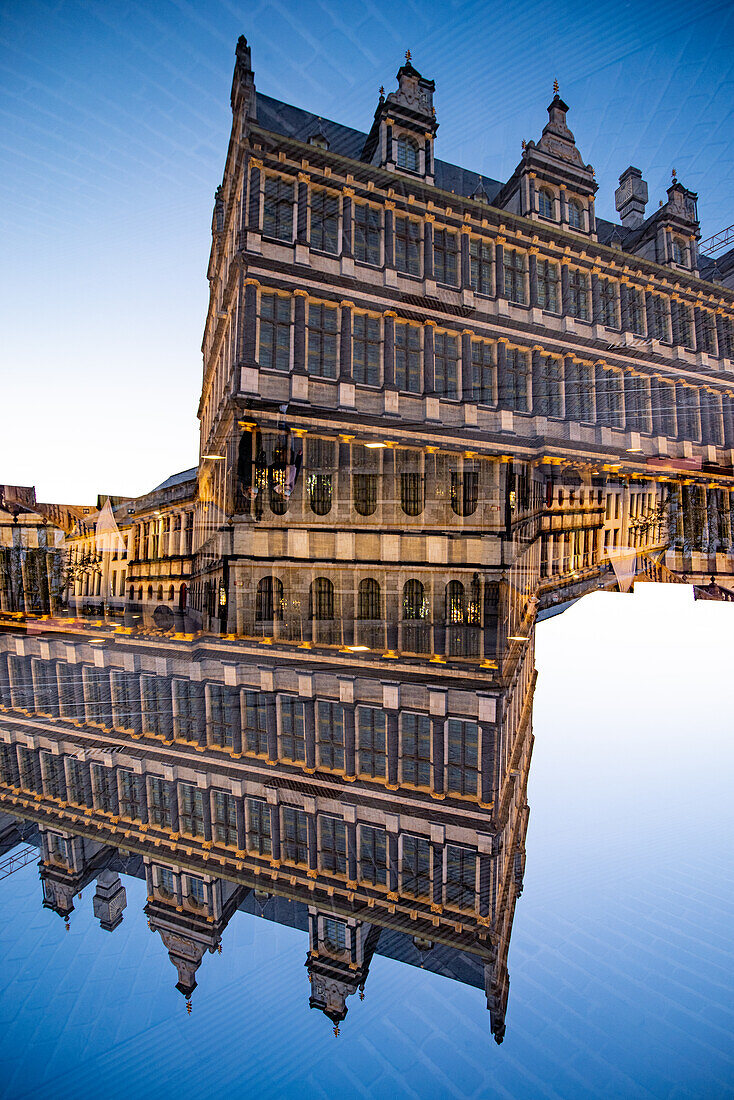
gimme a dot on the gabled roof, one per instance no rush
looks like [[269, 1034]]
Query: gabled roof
[[176, 479]]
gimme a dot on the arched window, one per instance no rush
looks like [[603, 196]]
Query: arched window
[[465, 490], [321, 599], [416, 627], [319, 493], [132, 593], [269, 600], [150, 591], [546, 203], [182, 597], [679, 251], [171, 594], [574, 214], [454, 603], [369, 601], [407, 154], [140, 593], [462, 619], [159, 594]]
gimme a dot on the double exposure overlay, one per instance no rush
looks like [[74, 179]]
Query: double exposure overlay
[[297, 679]]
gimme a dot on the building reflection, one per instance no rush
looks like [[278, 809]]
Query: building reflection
[[379, 806]]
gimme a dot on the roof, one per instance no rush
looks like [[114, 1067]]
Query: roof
[[176, 479]]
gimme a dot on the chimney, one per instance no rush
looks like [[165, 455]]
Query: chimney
[[630, 198]]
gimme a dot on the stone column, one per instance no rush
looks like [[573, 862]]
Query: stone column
[[467, 369], [309, 718], [533, 276], [503, 394], [253, 215], [485, 884], [428, 247], [390, 234], [206, 799], [392, 607], [345, 342], [302, 215], [173, 802], [239, 807], [347, 222], [488, 758], [392, 862], [565, 289], [351, 830], [271, 722], [389, 348], [392, 749], [465, 280], [249, 335], [142, 786], [438, 722], [499, 267], [312, 840], [595, 298], [571, 375], [624, 306], [437, 858], [350, 755], [540, 404], [429, 383], [299, 332], [275, 831]]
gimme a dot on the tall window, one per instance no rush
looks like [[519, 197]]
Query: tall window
[[190, 710], [682, 325], [324, 222], [407, 154], [678, 251], [615, 398], [416, 867], [574, 214], [295, 835], [446, 364], [408, 240], [688, 413], [548, 285], [516, 379], [292, 736], [463, 757], [223, 716], [578, 294], [726, 343], [416, 625], [269, 600], [445, 253], [461, 876], [546, 203], [585, 393], [278, 209], [321, 599], [465, 489], [482, 359], [333, 845], [373, 855], [481, 256], [415, 749], [707, 332], [322, 329], [330, 735], [191, 813], [259, 838], [608, 303], [159, 802], [408, 358], [275, 332], [371, 733], [659, 317], [335, 936], [320, 457], [130, 802], [411, 492], [514, 274], [369, 613], [634, 306], [224, 820], [364, 492], [256, 723], [367, 228], [366, 341], [550, 386], [104, 782]]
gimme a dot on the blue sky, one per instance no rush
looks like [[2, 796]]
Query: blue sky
[[115, 120]]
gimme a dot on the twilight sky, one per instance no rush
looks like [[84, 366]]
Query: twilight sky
[[114, 122]]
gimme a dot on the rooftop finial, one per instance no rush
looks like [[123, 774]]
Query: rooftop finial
[[675, 177], [382, 91], [188, 1007], [408, 56], [336, 1031], [555, 87], [524, 146]]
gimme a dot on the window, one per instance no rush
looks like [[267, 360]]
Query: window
[[256, 723], [159, 803], [371, 751], [258, 827], [548, 285], [373, 855], [514, 274], [578, 294], [190, 711], [416, 867], [516, 379], [196, 891], [166, 885], [370, 629], [726, 340], [324, 222], [322, 340], [320, 456], [615, 398], [269, 600], [585, 393], [415, 749], [275, 332], [223, 716], [637, 403], [408, 240], [292, 736], [364, 492], [278, 210], [465, 490], [416, 627], [574, 214], [333, 845], [408, 358], [157, 704], [688, 412], [295, 835], [224, 821], [550, 387], [678, 251], [707, 332], [335, 936], [634, 306], [129, 795], [366, 234], [330, 735], [445, 252], [411, 493], [682, 325], [446, 364], [104, 782], [608, 303], [482, 359], [461, 876], [658, 317], [463, 762], [366, 342], [321, 599], [546, 204], [480, 257], [191, 814], [50, 774], [407, 154]]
